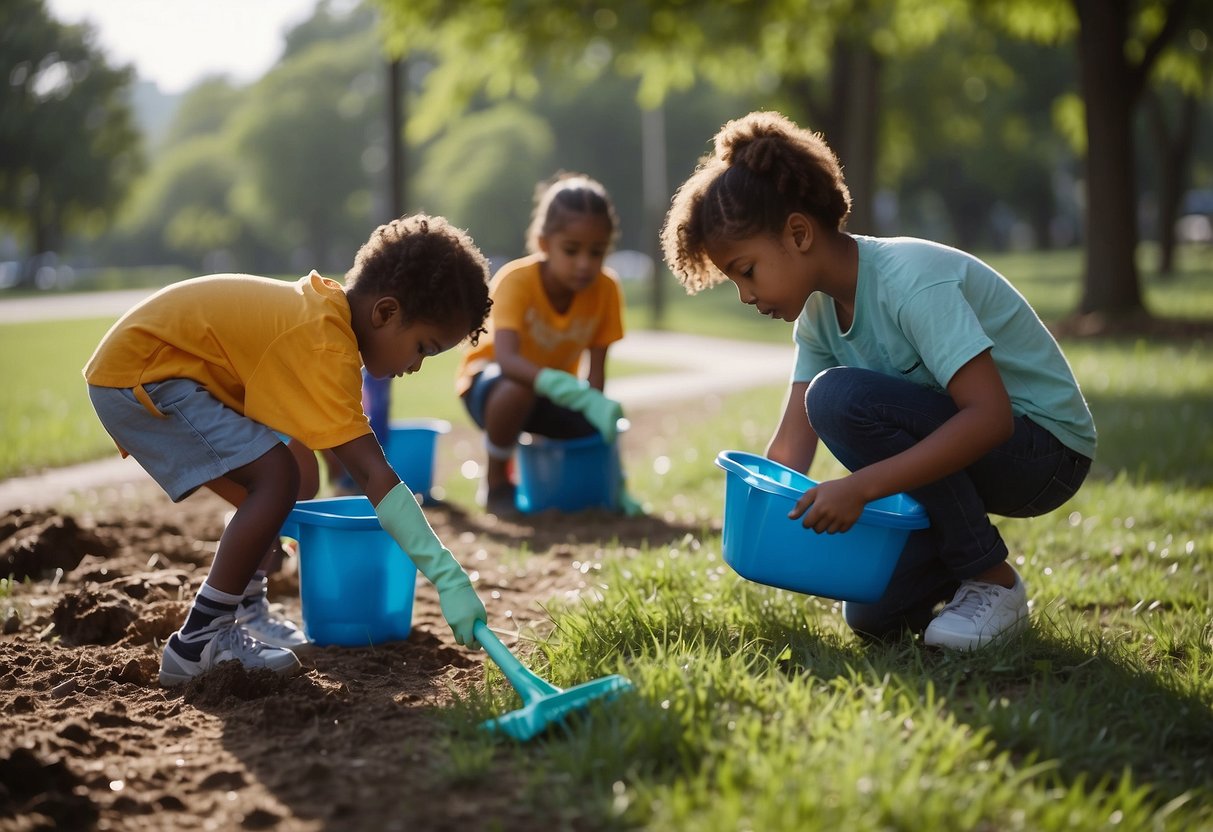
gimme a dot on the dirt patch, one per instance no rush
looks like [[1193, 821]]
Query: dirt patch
[[355, 741]]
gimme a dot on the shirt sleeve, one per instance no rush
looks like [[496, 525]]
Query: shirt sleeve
[[610, 324], [309, 389], [941, 325], [511, 299]]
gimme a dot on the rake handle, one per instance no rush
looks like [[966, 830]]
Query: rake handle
[[529, 686]]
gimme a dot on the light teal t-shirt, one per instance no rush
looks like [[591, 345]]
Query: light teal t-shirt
[[923, 310]]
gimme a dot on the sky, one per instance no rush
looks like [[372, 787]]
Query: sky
[[176, 43]]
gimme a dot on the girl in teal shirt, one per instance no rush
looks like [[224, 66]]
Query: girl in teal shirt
[[920, 367]]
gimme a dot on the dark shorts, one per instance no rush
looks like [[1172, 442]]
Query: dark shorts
[[546, 418]]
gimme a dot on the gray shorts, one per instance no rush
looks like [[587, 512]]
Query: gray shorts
[[197, 439]]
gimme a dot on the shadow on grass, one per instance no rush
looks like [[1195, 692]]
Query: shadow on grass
[[1084, 705], [548, 529], [1155, 439]]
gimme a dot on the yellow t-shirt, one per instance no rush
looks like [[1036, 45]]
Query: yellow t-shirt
[[283, 354], [546, 337]]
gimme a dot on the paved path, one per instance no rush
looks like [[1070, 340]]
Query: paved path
[[54, 306], [692, 366]]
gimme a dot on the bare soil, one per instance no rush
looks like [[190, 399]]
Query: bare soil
[[90, 741]]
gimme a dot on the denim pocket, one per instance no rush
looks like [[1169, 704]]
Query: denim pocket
[[166, 394], [1064, 484]]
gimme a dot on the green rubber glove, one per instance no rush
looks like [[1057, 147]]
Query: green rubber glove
[[629, 505], [569, 391], [403, 519]]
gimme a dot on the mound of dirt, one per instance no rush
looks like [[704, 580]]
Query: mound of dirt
[[36, 544]]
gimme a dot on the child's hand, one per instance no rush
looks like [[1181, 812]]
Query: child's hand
[[462, 608], [569, 391], [830, 507], [604, 414]]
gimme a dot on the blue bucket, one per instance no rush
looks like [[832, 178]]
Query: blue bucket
[[410, 451], [762, 545], [567, 474], [355, 583]]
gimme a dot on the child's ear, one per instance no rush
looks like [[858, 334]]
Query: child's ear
[[384, 310], [543, 244], [798, 230]]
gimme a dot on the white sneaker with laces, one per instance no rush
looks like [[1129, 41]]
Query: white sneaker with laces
[[263, 624], [978, 614], [230, 643]]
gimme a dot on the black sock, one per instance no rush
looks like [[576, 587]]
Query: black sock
[[209, 604]]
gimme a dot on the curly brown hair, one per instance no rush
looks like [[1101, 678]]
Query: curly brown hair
[[433, 270], [567, 194], [763, 168]]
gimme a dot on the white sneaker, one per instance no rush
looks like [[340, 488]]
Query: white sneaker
[[979, 613], [230, 643], [262, 624]]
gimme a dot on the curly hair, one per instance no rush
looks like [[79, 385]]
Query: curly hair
[[568, 194], [432, 268], [763, 168]]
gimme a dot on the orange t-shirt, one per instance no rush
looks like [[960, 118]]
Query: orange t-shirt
[[283, 354], [546, 337]]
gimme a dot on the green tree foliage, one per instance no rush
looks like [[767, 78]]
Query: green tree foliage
[[832, 56], [828, 54], [68, 145], [281, 175], [974, 129], [310, 135], [182, 208], [482, 174], [202, 111]]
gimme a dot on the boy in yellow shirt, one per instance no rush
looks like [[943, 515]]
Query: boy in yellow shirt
[[197, 381]]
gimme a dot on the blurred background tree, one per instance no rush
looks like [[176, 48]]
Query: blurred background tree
[[958, 120], [69, 148]]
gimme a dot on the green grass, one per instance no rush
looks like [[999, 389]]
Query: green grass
[[48, 421], [757, 709]]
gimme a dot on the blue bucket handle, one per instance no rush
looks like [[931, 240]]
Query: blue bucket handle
[[911, 516]]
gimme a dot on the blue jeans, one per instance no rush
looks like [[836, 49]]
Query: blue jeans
[[545, 419], [864, 417]]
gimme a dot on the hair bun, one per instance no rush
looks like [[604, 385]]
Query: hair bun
[[755, 141]]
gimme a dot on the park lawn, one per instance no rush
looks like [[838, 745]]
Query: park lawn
[[757, 709], [47, 419]]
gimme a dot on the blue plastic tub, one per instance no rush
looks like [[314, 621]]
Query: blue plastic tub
[[410, 451], [356, 584], [567, 474], [762, 545]]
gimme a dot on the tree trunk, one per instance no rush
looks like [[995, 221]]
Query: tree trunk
[[397, 152], [1174, 150], [656, 194], [852, 126], [1110, 279]]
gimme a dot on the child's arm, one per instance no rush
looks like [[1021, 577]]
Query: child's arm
[[563, 388], [983, 422], [794, 443], [363, 459], [506, 343], [403, 519], [597, 373]]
